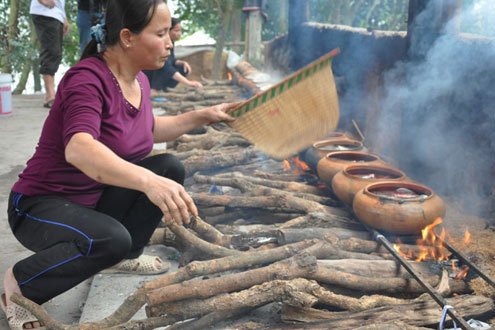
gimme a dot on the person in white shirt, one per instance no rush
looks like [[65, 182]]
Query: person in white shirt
[[51, 25]]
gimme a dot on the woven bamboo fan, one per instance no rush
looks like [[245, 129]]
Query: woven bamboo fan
[[291, 115]]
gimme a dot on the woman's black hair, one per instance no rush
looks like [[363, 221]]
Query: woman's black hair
[[175, 21], [134, 15]]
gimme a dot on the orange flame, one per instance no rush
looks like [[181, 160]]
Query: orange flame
[[229, 75], [467, 237], [300, 164], [300, 167], [462, 274], [286, 165]]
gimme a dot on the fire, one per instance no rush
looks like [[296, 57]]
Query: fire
[[229, 75], [300, 164], [431, 248], [300, 167], [467, 236], [286, 165], [462, 273]]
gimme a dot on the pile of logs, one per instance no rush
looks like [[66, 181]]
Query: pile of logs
[[275, 241]]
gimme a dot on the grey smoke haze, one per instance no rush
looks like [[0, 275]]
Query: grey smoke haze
[[445, 98]]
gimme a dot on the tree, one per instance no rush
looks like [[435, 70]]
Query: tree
[[18, 47]]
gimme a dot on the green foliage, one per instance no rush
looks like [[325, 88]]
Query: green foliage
[[21, 49], [375, 14], [203, 15]]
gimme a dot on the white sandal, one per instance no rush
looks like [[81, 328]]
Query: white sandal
[[143, 265], [17, 316]]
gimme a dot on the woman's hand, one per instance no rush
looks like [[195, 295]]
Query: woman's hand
[[195, 84], [172, 199], [219, 112]]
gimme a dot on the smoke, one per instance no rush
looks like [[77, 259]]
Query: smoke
[[443, 96]]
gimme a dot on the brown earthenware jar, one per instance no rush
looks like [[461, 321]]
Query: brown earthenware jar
[[319, 149], [398, 207], [352, 178], [334, 162]]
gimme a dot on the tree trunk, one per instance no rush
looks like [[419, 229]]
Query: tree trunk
[[225, 15], [11, 35]]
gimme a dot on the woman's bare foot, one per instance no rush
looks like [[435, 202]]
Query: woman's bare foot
[[10, 286]]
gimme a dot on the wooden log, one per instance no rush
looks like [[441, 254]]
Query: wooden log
[[257, 190], [191, 242], [266, 216], [365, 246], [291, 235], [199, 163], [291, 186], [287, 176], [323, 220], [381, 268], [419, 313], [281, 203], [293, 292], [209, 233], [210, 319], [297, 266], [390, 285]]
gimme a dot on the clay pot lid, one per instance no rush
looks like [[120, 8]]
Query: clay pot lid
[[348, 156], [423, 192], [390, 173]]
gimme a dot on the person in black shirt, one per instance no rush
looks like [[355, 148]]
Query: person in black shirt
[[174, 71]]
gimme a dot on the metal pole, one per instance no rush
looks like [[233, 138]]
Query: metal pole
[[462, 258], [439, 299]]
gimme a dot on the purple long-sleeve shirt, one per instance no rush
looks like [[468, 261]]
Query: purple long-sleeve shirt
[[89, 99]]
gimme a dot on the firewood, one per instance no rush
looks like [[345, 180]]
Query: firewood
[[419, 313], [288, 177], [298, 266], [280, 203], [209, 233], [198, 163], [291, 235], [265, 216], [379, 268], [294, 292], [284, 185], [252, 189], [189, 241], [210, 319], [381, 284], [322, 220]]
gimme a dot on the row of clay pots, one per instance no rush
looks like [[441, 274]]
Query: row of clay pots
[[382, 197]]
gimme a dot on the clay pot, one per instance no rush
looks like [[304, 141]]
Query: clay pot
[[319, 149], [346, 183], [381, 206], [334, 162]]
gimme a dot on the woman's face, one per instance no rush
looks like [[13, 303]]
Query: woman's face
[[151, 47], [176, 32]]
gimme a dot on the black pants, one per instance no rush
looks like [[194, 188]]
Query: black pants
[[50, 33], [73, 242]]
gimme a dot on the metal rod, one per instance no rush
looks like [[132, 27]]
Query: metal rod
[[439, 299], [462, 258]]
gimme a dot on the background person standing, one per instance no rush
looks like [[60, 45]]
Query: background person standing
[[89, 13], [51, 25]]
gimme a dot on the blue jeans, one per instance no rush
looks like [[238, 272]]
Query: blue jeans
[[84, 24]]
